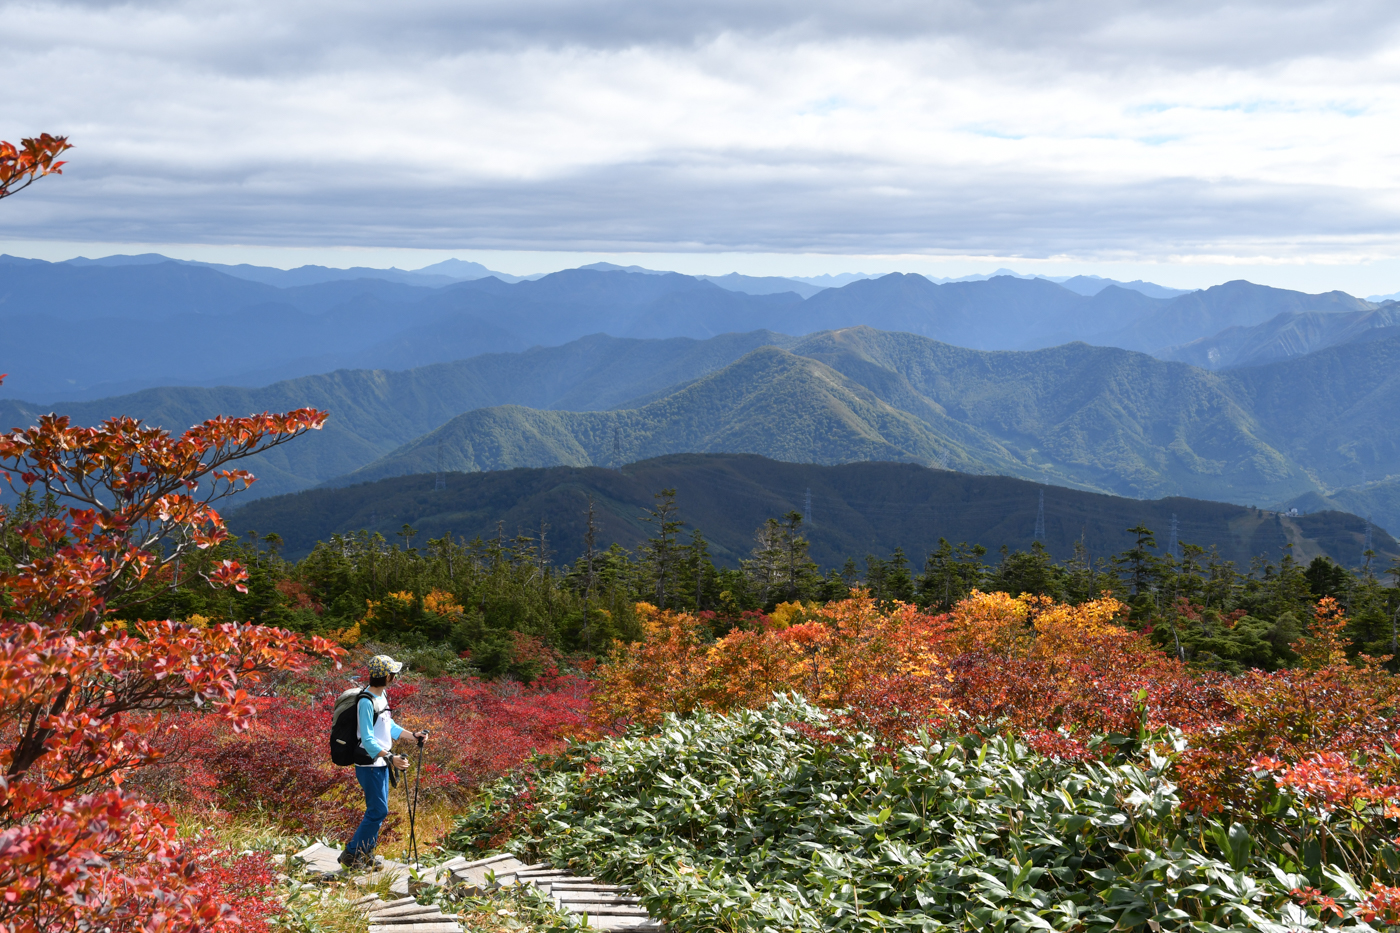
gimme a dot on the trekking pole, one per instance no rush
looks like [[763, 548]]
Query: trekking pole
[[413, 805], [412, 846], [417, 776]]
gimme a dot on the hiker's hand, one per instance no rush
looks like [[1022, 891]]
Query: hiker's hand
[[421, 736], [399, 762]]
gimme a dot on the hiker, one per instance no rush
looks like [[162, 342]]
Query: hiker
[[376, 731]]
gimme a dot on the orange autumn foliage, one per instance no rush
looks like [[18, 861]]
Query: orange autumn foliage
[[1054, 674], [995, 656], [32, 159], [841, 649]]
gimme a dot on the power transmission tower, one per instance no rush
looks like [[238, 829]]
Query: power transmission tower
[[1040, 519], [441, 482], [1172, 546], [807, 507]]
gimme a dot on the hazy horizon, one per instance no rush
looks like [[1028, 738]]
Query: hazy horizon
[[1363, 283]]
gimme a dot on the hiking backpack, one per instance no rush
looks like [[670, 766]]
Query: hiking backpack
[[345, 728]]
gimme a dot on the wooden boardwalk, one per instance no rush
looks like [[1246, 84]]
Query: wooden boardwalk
[[605, 906]]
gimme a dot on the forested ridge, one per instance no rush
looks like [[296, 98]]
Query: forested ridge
[[471, 600]]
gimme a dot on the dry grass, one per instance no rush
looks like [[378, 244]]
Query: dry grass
[[434, 821]]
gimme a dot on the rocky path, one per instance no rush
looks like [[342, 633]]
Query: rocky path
[[606, 906]]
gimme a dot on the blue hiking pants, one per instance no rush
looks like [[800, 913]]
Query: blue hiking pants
[[375, 783]]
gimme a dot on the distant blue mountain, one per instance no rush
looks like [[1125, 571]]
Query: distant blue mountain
[[442, 273], [1093, 284], [1087, 285], [833, 281], [762, 285], [461, 270], [85, 329]]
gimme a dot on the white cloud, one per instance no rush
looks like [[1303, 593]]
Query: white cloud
[[1088, 130]]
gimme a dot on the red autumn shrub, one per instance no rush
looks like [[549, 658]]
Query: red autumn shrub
[[280, 766], [246, 883], [108, 512]]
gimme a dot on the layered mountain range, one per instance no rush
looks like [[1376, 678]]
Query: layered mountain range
[[1095, 418], [1256, 396], [93, 329]]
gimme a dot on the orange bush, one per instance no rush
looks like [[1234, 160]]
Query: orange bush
[[1026, 661], [841, 649]]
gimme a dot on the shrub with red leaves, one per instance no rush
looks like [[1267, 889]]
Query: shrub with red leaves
[[105, 513], [280, 766], [246, 883]]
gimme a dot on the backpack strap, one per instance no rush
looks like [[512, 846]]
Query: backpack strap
[[374, 710]]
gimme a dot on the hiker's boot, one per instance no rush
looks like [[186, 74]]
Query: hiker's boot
[[360, 861]]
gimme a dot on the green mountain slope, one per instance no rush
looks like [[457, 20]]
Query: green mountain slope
[[1333, 411], [375, 411], [1286, 336], [855, 509], [1095, 417], [770, 402]]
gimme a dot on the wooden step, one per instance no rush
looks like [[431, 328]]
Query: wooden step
[[606, 910], [624, 923], [406, 910], [503, 868], [320, 858], [437, 926], [399, 922], [491, 860], [389, 905], [421, 913]]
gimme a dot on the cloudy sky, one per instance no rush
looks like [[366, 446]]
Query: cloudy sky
[[1176, 141]]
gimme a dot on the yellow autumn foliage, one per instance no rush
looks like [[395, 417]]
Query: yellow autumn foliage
[[834, 653], [441, 603]]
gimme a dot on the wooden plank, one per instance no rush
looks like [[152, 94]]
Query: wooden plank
[[407, 910], [624, 923], [320, 858], [609, 910], [438, 927], [490, 860], [476, 875], [390, 905]]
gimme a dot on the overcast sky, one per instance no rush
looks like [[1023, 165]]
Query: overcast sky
[[1167, 140]]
